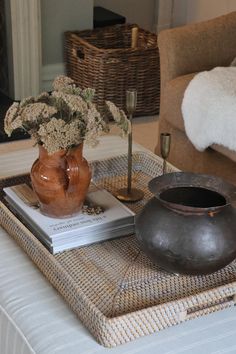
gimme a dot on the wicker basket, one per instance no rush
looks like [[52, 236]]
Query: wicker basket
[[104, 60]]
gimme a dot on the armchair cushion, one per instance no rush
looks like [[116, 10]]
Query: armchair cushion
[[172, 100], [197, 47], [225, 151]]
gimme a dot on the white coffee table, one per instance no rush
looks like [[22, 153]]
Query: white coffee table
[[35, 319]]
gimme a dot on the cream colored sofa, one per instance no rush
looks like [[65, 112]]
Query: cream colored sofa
[[185, 51]]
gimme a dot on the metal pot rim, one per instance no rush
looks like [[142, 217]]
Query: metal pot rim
[[187, 179]]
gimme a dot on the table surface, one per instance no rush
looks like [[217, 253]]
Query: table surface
[[35, 319]]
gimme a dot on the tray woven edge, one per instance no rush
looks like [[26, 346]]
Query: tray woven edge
[[111, 332]]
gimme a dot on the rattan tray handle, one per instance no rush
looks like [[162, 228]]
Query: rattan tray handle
[[203, 309]]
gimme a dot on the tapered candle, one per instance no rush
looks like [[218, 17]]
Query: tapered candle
[[131, 102], [134, 37], [165, 148], [130, 194]]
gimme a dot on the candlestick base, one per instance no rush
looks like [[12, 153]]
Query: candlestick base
[[134, 196]]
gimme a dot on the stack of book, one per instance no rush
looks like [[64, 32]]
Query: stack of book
[[58, 235]]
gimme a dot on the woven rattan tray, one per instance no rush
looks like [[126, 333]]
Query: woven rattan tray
[[116, 291]]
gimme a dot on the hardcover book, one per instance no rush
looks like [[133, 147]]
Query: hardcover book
[[58, 235]]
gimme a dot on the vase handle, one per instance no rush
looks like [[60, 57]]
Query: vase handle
[[72, 170]]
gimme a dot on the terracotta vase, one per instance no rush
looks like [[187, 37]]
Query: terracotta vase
[[61, 181]]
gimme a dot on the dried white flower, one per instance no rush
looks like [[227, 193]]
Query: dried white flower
[[119, 117], [26, 101], [64, 118], [61, 82], [43, 97], [11, 115], [57, 134], [73, 102], [88, 94], [95, 126], [37, 111]]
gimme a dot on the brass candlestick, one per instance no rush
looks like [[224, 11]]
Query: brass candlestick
[[130, 194], [165, 149]]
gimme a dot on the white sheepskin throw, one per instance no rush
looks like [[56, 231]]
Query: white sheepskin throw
[[209, 108]]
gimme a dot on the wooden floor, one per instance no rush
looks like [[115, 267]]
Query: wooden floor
[[145, 131]]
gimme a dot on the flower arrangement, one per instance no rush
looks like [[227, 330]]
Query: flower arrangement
[[64, 118]]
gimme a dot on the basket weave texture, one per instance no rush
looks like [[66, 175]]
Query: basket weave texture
[[104, 60], [116, 291]]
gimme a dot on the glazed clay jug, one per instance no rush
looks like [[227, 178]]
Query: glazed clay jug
[[189, 226], [61, 181]]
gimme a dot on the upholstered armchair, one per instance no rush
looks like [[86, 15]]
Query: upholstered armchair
[[185, 51]]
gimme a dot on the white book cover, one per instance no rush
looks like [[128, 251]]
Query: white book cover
[[81, 229]]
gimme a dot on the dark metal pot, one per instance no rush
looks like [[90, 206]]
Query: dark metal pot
[[190, 225]]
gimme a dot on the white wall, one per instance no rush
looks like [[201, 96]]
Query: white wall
[[190, 11], [141, 12], [171, 13], [201, 10], [11, 92], [180, 9], [59, 16]]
